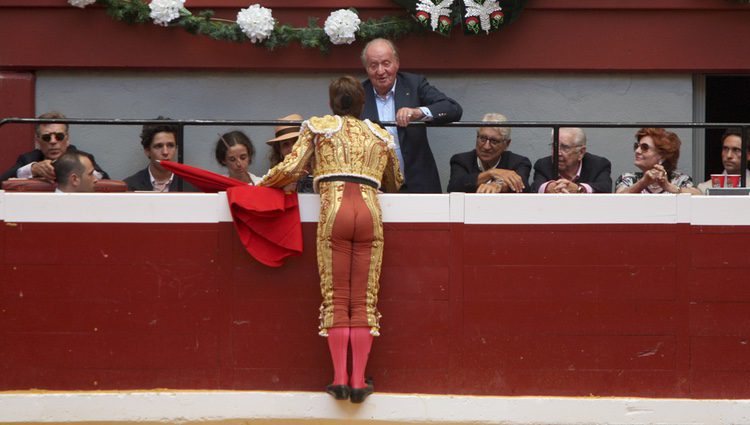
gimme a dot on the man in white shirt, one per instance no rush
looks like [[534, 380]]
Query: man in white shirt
[[75, 172], [159, 143], [731, 153]]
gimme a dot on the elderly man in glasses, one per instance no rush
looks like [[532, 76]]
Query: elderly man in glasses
[[52, 142], [490, 167], [578, 171]]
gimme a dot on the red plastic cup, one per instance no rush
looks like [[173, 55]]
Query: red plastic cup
[[718, 180], [733, 180]]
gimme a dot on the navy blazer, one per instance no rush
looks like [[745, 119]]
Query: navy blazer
[[465, 170], [142, 181], [596, 171], [413, 91], [35, 156]]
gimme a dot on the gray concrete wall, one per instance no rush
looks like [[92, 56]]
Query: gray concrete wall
[[557, 97]]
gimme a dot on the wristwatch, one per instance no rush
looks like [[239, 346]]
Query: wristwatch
[[581, 189]]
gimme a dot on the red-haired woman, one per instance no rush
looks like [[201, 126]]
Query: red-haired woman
[[656, 154]]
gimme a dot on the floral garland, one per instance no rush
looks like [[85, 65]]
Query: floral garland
[[257, 24]]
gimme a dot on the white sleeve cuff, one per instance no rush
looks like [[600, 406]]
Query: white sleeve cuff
[[427, 113], [25, 171]]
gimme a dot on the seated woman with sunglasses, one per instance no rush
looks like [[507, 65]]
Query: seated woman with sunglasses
[[656, 154]]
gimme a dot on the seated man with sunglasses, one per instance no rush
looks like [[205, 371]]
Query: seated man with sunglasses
[[578, 171], [490, 167], [52, 141]]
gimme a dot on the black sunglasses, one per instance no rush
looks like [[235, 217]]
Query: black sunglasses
[[46, 137], [644, 147]]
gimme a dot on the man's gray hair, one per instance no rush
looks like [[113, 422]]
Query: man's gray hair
[[579, 137], [378, 40], [498, 118]]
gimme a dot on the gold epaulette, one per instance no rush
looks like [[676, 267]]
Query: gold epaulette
[[325, 125], [380, 132]]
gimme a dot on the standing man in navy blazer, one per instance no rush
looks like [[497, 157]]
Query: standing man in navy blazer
[[391, 95], [579, 171]]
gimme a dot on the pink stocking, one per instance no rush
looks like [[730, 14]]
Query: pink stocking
[[338, 343], [361, 343]]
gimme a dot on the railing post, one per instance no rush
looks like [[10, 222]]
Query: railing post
[[743, 159], [555, 152], [180, 150]]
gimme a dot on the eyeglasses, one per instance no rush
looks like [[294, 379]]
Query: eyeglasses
[[494, 142], [644, 147], [46, 137], [565, 148]]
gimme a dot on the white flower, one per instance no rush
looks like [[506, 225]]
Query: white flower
[[341, 26], [482, 11], [256, 22], [165, 11], [435, 10], [81, 3]]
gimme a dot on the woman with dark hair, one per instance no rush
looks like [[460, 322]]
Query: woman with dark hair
[[235, 151], [656, 154], [353, 159]]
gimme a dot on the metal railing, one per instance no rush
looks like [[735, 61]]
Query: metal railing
[[554, 125]]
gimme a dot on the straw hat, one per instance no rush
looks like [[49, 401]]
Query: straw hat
[[286, 132]]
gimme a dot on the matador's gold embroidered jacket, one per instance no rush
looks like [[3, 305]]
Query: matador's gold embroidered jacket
[[340, 146]]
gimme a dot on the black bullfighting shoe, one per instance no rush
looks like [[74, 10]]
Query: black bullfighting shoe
[[339, 392]]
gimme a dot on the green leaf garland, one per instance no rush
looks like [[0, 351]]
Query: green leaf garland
[[312, 36]]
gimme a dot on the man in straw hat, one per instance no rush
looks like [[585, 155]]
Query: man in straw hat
[[281, 146]]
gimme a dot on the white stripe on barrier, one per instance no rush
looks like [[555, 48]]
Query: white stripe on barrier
[[303, 407], [397, 208]]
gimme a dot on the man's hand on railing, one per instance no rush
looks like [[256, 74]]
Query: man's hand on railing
[[43, 169]]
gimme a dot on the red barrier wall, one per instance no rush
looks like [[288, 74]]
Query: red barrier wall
[[17, 93], [657, 310]]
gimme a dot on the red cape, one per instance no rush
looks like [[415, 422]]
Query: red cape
[[267, 220]]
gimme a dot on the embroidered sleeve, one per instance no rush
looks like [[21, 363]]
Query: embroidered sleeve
[[392, 177], [381, 134], [294, 166]]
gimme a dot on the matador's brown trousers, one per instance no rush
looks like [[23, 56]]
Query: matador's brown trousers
[[350, 249]]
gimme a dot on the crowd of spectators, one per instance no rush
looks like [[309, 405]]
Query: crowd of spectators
[[404, 98]]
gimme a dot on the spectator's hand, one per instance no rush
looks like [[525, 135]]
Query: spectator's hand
[[489, 188], [291, 187], [43, 169], [406, 115], [510, 177], [561, 186], [567, 186], [661, 175], [656, 175], [557, 186]]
